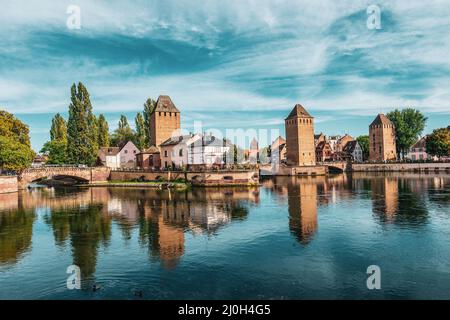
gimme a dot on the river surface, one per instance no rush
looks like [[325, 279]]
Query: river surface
[[291, 238]]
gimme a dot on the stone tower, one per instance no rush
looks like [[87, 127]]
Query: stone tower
[[300, 137], [164, 122], [382, 139]]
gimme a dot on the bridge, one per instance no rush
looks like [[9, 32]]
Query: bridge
[[336, 167], [79, 174]]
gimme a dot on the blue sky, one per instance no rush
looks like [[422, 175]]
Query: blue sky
[[229, 64]]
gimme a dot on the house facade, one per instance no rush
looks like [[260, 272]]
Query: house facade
[[418, 151], [118, 157], [353, 151], [149, 158], [324, 151]]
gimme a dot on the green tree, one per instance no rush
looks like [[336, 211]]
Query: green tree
[[363, 141], [15, 151], [14, 155], [58, 130], [103, 131], [56, 151], [123, 133], [409, 124], [141, 136], [12, 127], [438, 143], [149, 108], [82, 146]]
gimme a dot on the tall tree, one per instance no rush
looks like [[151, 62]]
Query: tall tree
[[438, 143], [82, 143], [149, 108], [409, 124], [123, 133], [56, 150], [141, 137], [58, 130], [15, 151], [363, 142], [103, 131]]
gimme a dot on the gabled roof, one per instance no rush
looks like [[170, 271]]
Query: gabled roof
[[322, 144], [350, 146], [278, 142], [150, 150], [103, 152], [165, 104], [381, 119], [299, 111], [421, 143], [172, 141]]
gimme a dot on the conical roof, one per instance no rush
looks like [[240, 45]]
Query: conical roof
[[165, 104]]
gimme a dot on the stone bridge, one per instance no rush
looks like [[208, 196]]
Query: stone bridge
[[83, 175], [334, 167]]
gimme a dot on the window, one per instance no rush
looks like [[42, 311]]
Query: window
[[165, 155], [180, 153], [126, 151]]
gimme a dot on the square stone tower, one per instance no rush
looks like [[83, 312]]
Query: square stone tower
[[165, 121], [382, 139], [300, 138]]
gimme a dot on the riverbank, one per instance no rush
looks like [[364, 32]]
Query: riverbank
[[8, 184], [146, 184]]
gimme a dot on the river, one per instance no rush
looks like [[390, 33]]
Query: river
[[291, 238]]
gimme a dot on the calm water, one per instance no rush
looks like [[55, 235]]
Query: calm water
[[291, 238]]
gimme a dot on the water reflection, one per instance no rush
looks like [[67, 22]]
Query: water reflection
[[84, 219]]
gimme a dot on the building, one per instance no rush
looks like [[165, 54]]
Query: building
[[300, 137], [324, 151], [333, 141], [278, 151], [149, 158], [341, 142], [319, 138], [118, 157], [39, 161], [418, 151], [253, 152], [174, 151], [382, 145], [165, 121], [353, 151], [195, 150], [109, 157]]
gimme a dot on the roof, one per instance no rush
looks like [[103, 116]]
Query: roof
[[317, 136], [381, 119], [107, 151], [165, 104], [350, 146], [278, 142], [299, 111], [421, 143], [172, 141], [150, 150], [210, 140], [322, 144]]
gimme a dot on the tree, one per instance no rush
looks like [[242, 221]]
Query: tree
[[56, 151], [438, 143], [58, 130], [149, 108], [12, 127], [123, 133], [14, 155], [141, 137], [82, 146], [363, 142], [103, 131], [409, 124], [15, 151]]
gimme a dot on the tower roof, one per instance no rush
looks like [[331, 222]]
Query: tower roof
[[299, 111], [381, 119], [165, 104]]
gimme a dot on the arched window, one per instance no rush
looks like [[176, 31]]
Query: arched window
[[180, 153]]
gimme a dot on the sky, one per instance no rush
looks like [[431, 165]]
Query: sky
[[227, 64]]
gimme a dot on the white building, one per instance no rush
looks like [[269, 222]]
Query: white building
[[118, 157], [418, 151], [194, 149]]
